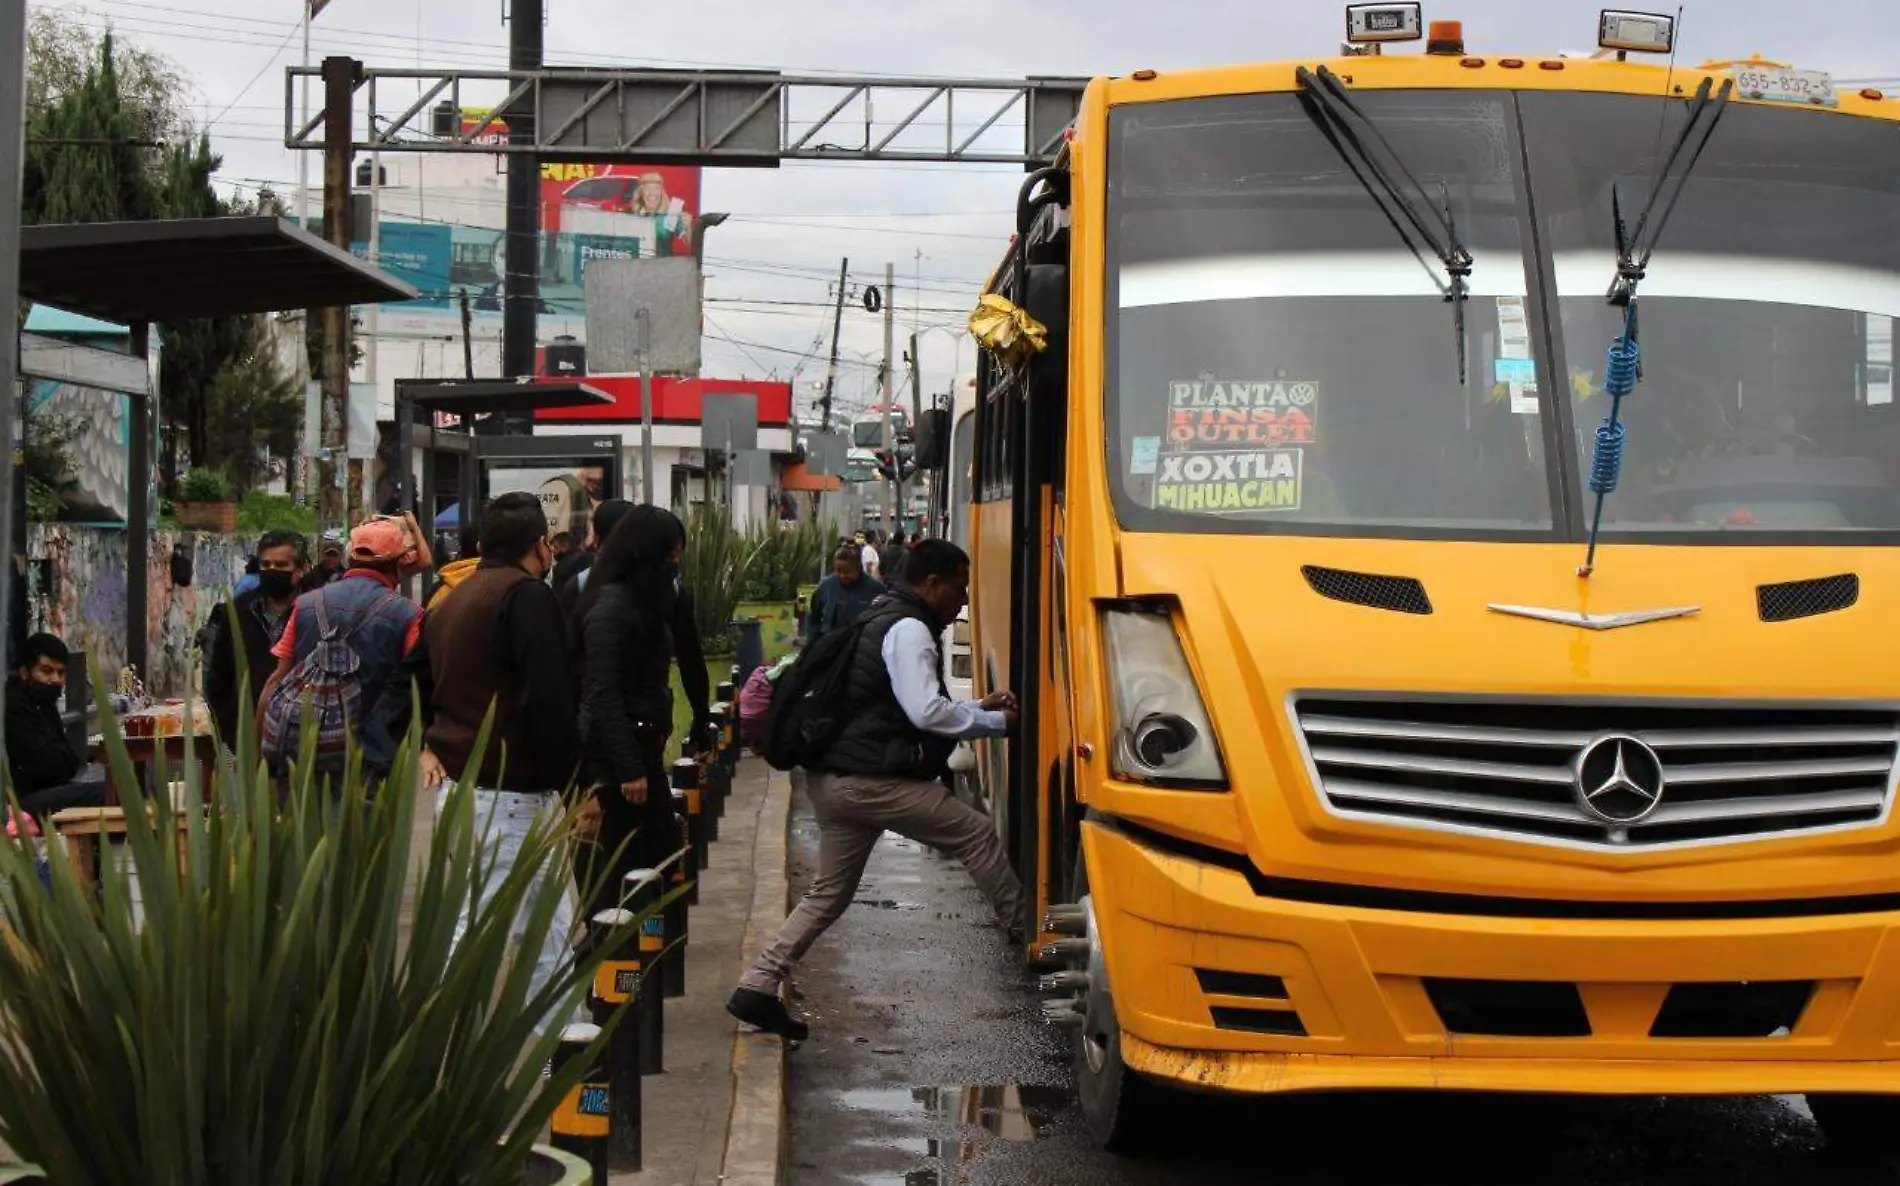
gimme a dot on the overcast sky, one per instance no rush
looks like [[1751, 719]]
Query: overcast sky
[[235, 52]]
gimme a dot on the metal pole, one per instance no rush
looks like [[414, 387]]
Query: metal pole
[[522, 283], [138, 514], [890, 435], [339, 86], [375, 324], [305, 487], [12, 153], [643, 326], [837, 323]]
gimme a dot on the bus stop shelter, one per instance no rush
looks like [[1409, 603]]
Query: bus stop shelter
[[138, 274], [419, 404]]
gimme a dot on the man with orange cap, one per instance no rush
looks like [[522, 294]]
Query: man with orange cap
[[366, 611]]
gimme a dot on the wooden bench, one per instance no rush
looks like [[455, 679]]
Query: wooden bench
[[87, 830]]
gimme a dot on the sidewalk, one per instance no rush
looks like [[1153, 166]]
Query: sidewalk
[[718, 1113]]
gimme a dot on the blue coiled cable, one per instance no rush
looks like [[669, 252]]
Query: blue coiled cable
[[1620, 375]]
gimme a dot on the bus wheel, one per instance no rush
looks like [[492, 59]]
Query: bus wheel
[[1118, 1105], [1858, 1127]]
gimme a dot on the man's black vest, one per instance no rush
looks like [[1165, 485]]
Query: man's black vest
[[878, 738]]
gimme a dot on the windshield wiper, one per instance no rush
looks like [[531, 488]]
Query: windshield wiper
[[1634, 248], [1624, 368], [1340, 119]]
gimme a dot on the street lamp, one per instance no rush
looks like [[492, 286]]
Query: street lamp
[[704, 223]]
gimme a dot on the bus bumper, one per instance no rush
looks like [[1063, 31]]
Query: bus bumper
[[1220, 988]]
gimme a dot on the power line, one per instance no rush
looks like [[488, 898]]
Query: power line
[[261, 70], [408, 42]]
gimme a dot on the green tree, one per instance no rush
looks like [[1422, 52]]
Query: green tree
[[85, 161], [254, 411], [94, 112], [61, 50]]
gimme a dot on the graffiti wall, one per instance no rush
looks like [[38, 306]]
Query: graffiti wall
[[76, 584]]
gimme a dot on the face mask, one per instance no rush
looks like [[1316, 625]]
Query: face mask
[[44, 693], [276, 584]]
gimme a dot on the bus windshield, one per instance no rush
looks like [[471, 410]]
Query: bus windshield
[[1282, 358], [1766, 316]]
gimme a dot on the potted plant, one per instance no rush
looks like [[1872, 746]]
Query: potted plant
[[285, 1003], [204, 502]]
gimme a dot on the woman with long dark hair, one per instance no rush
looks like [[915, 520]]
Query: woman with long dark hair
[[624, 638]]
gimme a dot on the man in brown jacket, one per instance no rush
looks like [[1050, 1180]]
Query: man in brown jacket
[[501, 640]]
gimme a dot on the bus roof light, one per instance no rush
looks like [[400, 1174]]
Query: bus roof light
[[1372, 23], [1636, 32], [1447, 39]]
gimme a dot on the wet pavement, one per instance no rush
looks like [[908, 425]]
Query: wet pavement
[[928, 1066]]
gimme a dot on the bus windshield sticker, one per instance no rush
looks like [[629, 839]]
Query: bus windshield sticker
[[1211, 414], [1233, 445], [1215, 483], [1518, 377], [1141, 454]]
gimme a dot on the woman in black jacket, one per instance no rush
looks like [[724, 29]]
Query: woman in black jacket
[[625, 643]]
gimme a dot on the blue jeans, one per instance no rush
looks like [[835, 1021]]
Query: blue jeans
[[503, 820]]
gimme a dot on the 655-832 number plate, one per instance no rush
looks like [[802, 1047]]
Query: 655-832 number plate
[[1778, 84]]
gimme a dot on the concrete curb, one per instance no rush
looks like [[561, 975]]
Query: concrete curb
[[756, 1139]]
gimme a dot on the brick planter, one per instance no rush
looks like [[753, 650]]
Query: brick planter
[[220, 517]]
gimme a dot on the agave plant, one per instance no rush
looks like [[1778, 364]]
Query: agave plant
[[777, 560], [709, 569], [273, 1011]]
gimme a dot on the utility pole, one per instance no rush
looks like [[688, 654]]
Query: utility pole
[[12, 153], [643, 378], [917, 405], [468, 344], [892, 485], [522, 307], [367, 465], [837, 323], [304, 376], [339, 85]]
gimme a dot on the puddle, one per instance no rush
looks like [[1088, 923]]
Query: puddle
[[1009, 1112], [885, 904]]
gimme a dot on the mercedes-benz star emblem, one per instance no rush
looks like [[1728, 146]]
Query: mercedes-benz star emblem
[[1619, 779]]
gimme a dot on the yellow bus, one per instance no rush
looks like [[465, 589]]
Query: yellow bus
[[1446, 555]]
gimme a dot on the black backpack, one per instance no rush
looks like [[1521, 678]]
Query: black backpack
[[808, 703]]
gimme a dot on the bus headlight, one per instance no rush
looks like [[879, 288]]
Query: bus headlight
[[1162, 734]]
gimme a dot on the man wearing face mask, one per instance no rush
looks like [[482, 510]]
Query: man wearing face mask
[[43, 762], [262, 611]]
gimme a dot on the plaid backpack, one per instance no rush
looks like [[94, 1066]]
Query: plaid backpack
[[327, 680]]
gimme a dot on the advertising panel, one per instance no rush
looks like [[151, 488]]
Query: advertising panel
[[569, 491], [589, 212]]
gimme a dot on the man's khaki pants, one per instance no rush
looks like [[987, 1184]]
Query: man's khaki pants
[[853, 811]]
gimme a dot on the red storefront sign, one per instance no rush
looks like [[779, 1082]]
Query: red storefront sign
[[676, 401]]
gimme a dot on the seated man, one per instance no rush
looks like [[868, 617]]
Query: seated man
[[44, 766]]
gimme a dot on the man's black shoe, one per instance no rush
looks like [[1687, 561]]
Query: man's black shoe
[[767, 1012]]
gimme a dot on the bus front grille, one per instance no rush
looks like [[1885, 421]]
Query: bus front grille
[[1600, 774]]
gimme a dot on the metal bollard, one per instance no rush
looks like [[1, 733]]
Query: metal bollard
[[685, 777], [640, 890], [678, 924], [616, 981], [718, 776], [707, 778], [580, 1123]]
